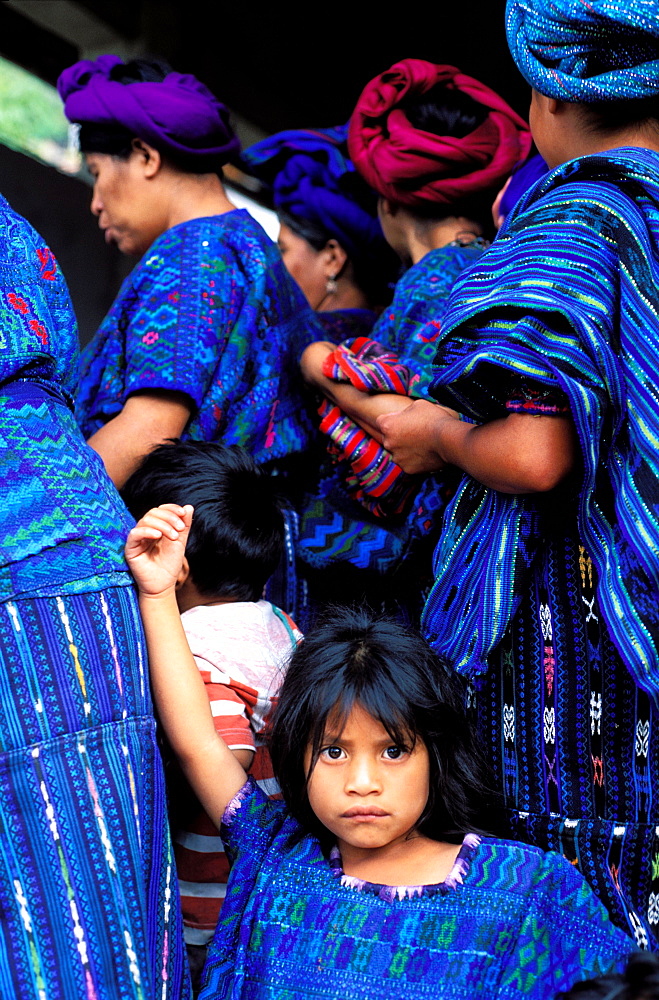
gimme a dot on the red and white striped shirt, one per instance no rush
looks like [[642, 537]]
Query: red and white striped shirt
[[242, 650]]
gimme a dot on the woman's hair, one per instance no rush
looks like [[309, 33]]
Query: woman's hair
[[354, 657], [445, 111], [115, 140], [374, 273], [607, 117], [639, 981]]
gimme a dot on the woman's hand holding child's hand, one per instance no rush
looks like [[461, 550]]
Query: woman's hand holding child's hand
[[156, 546]]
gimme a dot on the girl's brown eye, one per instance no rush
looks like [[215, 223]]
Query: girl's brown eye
[[332, 752], [394, 753]]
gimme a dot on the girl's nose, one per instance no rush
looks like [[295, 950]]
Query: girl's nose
[[96, 205], [363, 776]]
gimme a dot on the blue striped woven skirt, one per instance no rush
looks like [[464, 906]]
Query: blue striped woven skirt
[[88, 899]]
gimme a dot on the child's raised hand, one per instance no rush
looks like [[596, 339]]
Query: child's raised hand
[[155, 548]]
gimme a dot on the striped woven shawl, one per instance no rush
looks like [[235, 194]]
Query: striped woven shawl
[[567, 297]]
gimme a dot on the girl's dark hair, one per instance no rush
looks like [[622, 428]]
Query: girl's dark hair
[[115, 140], [444, 111], [639, 981], [374, 272], [355, 657], [237, 533]]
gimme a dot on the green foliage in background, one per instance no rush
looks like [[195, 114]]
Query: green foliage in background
[[32, 120]]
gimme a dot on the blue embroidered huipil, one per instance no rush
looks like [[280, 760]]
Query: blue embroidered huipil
[[209, 311], [510, 922]]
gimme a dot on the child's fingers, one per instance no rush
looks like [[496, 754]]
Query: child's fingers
[[139, 539], [165, 520]]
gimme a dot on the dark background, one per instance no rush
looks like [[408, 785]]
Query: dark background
[[276, 67]]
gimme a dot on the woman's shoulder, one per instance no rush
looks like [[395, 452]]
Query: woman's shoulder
[[210, 232], [598, 188]]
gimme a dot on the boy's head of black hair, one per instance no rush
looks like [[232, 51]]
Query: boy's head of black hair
[[237, 530]]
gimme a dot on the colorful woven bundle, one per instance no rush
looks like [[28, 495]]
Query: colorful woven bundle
[[376, 481]]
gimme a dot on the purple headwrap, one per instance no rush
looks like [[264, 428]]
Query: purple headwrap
[[178, 115], [312, 177], [522, 178]]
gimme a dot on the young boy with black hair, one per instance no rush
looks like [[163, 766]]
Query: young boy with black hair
[[240, 642]]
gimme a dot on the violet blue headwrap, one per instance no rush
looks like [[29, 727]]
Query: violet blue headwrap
[[178, 115], [585, 52], [521, 180], [312, 178], [412, 166]]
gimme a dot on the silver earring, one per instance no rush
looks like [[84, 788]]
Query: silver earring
[[330, 287]]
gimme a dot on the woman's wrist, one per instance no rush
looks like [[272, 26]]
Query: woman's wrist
[[311, 363], [450, 434]]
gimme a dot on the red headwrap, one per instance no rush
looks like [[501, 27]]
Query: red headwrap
[[411, 166]]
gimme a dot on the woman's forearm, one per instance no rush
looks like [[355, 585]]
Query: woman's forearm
[[362, 407], [518, 453]]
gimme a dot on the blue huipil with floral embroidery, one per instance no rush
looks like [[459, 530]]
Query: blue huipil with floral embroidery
[[209, 311]]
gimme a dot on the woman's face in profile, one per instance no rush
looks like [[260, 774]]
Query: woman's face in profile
[[308, 266], [122, 200]]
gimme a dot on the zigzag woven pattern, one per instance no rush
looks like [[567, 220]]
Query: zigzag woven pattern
[[515, 923], [62, 526]]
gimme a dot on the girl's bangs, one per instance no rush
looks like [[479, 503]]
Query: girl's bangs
[[381, 699]]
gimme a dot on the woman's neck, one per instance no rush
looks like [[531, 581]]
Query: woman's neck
[[346, 296], [562, 132], [427, 235], [195, 196]]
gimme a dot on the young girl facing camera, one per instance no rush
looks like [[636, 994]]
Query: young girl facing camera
[[366, 881]]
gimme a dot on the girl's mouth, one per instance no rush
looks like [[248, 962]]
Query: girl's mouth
[[364, 812]]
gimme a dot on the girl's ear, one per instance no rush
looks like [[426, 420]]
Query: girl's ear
[[183, 574]]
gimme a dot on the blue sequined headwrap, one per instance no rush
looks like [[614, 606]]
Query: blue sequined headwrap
[[586, 50], [312, 177]]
